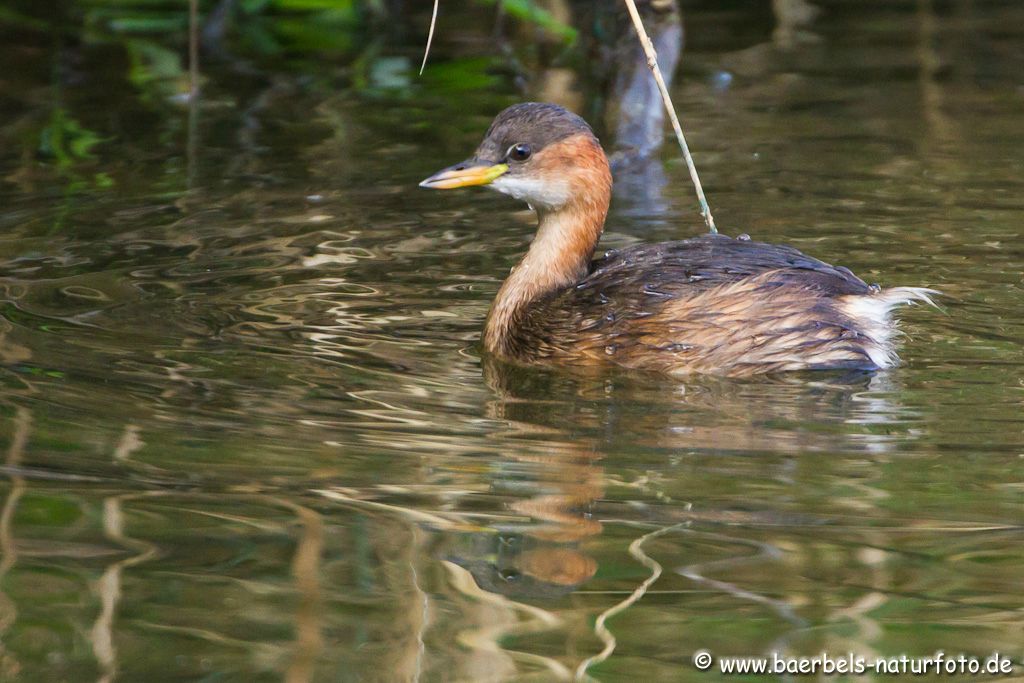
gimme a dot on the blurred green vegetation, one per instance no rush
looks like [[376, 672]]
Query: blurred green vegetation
[[369, 48], [266, 30]]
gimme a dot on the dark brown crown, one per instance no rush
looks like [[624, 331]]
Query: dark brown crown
[[536, 124]]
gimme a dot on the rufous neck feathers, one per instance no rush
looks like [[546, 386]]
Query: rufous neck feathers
[[560, 253]]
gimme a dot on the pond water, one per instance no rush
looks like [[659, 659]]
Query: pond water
[[249, 435]]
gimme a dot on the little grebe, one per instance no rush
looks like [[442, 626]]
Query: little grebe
[[711, 304]]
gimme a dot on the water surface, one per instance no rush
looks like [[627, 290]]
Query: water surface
[[249, 434]]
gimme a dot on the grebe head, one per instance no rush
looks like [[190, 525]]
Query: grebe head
[[539, 153], [548, 157]]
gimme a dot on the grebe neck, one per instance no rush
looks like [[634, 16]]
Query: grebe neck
[[559, 257]]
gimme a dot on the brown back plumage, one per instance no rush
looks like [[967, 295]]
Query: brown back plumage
[[711, 304]]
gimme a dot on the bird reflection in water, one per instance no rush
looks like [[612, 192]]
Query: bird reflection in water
[[553, 484]]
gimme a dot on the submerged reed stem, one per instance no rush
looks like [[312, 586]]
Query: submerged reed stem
[[652, 62], [193, 49]]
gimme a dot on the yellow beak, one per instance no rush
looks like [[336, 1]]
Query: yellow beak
[[466, 174]]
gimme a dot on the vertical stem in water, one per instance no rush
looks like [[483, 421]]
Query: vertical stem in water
[[193, 95], [652, 62], [193, 48]]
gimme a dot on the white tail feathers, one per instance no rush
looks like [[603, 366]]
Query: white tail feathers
[[908, 295], [872, 315]]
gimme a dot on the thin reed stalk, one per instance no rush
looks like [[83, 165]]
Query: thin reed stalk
[[652, 62], [193, 49], [430, 36]]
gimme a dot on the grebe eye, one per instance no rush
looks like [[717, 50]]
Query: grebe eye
[[519, 152]]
